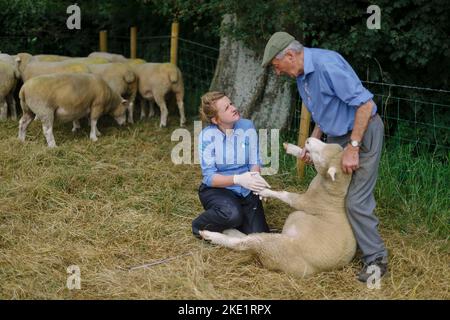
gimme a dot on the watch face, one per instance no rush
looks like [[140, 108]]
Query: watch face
[[355, 143]]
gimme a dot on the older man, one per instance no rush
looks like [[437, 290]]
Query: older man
[[343, 110]]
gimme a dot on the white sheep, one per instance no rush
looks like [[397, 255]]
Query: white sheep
[[9, 74], [155, 81], [318, 236]]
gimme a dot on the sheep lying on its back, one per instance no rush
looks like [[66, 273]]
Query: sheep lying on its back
[[315, 238]]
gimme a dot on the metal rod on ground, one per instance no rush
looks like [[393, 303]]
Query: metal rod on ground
[[160, 261], [104, 41], [305, 119], [133, 43], [174, 43]]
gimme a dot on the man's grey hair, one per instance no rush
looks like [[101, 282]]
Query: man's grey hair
[[294, 46]]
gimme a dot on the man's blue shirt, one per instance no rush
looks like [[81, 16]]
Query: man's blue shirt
[[331, 91], [228, 154]]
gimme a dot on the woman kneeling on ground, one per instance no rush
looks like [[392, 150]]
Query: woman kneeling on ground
[[229, 157]]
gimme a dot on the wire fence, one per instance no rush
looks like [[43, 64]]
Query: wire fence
[[412, 115]]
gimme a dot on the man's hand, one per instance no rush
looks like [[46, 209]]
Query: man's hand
[[350, 159], [251, 180]]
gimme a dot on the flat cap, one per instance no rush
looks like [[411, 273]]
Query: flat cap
[[277, 42]]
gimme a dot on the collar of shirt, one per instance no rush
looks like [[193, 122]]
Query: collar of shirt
[[233, 131], [308, 65]]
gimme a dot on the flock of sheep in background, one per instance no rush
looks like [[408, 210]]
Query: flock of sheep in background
[[68, 89]]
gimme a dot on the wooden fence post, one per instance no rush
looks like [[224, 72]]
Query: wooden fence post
[[305, 120], [104, 41], [133, 43], [174, 43]]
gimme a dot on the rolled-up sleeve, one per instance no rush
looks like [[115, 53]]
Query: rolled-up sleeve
[[206, 151], [346, 84]]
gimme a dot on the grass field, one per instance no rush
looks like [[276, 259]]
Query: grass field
[[120, 202]]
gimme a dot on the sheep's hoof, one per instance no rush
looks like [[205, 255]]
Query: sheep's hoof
[[206, 235]]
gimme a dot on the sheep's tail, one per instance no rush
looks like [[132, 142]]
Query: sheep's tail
[[129, 77], [23, 103], [173, 73]]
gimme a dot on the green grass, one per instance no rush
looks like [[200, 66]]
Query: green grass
[[414, 190]]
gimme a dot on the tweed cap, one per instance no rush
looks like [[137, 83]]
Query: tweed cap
[[277, 42]]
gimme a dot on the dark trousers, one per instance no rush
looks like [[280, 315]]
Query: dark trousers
[[226, 210]]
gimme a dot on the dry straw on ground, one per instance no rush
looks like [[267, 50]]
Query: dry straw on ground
[[120, 202]]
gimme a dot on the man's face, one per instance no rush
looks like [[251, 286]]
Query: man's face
[[288, 65]]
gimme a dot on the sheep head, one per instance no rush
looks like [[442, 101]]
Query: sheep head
[[326, 157]]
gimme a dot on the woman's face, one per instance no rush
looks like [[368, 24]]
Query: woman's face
[[227, 114]]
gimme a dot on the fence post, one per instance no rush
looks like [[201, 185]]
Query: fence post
[[305, 120], [174, 43], [133, 43], [103, 41]]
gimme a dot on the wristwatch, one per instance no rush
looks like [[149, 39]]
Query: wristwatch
[[355, 143]]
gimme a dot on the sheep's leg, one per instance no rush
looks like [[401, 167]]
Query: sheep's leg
[[236, 243], [25, 120], [143, 105], [292, 199], [76, 125], [3, 109], [12, 106], [94, 130], [234, 233], [269, 248], [130, 110], [164, 112], [47, 127], [151, 109], [180, 104], [292, 149]]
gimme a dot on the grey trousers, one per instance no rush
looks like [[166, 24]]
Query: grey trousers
[[360, 201]]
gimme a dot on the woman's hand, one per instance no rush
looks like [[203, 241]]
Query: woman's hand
[[251, 180]]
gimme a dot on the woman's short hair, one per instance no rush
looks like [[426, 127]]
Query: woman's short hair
[[208, 109]]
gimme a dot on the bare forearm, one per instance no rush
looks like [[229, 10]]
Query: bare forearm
[[221, 181], [362, 116], [317, 133]]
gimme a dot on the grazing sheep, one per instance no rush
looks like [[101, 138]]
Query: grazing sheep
[[318, 236], [36, 68], [121, 78], [31, 66], [111, 57], [49, 58], [68, 97], [155, 81], [9, 75]]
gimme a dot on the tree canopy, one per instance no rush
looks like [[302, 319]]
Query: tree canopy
[[411, 47]]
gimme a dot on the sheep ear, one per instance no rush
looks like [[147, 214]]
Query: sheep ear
[[332, 172]]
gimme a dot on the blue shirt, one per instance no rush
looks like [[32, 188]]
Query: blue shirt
[[331, 91], [228, 154]]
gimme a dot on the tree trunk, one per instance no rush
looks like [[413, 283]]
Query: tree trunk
[[257, 92]]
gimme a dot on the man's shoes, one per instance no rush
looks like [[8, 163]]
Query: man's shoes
[[377, 267]]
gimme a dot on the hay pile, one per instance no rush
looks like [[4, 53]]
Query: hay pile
[[120, 202]]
